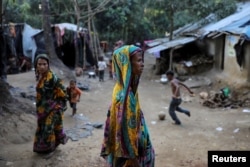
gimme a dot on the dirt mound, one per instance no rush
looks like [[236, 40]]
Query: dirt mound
[[17, 129], [17, 123]]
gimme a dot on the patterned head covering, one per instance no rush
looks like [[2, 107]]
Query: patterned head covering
[[42, 56], [125, 108], [122, 65], [126, 135]]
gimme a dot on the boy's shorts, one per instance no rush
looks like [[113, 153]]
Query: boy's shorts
[[73, 106]]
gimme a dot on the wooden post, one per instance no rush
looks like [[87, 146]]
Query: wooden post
[[171, 59], [84, 50]]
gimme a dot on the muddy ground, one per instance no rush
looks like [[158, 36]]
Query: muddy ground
[[175, 146]]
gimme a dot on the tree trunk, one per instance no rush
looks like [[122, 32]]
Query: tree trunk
[[171, 15], [1, 13], [95, 41], [49, 44], [5, 97], [100, 51], [59, 68], [89, 27], [77, 13]]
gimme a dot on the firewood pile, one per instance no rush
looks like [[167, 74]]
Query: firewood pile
[[200, 59], [218, 100]]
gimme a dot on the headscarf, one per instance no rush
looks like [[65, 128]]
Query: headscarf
[[125, 109], [42, 56]]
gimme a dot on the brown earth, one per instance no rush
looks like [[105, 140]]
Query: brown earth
[[175, 146]]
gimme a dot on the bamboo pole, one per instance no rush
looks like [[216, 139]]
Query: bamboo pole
[[94, 40], [97, 39]]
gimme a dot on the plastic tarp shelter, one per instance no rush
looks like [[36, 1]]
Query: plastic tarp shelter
[[29, 44]]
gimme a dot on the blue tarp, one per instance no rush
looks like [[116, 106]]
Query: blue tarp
[[29, 45]]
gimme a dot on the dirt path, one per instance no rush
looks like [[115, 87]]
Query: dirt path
[[175, 146]]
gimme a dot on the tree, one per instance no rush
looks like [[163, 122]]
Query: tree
[[131, 20], [1, 12], [77, 13], [6, 97], [8, 103], [125, 20], [49, 44], [179, 13]]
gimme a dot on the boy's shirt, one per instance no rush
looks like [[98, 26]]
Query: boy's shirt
[[101, 65], [74, 94]]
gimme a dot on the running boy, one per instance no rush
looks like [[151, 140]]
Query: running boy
[[176, 98], [74, 94]]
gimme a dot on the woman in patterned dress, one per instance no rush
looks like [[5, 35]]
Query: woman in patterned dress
[[50, 105], [126, 138]]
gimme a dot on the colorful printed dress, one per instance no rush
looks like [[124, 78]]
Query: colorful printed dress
[[50, 103], [126, 136]]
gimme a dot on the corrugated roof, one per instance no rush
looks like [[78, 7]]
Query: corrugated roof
[[171, 44], [182, 31], [194, 27], [242, 14], [241, 27], [156, 42], [238, 23]]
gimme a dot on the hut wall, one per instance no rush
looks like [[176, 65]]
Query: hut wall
[[247, 59], [215, 48], [231, 67]]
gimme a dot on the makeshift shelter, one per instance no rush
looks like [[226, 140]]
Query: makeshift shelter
[[184, 55], [26, 42], [228, 41], [178, 53], [67, 39], [13, 49], [29, 44]]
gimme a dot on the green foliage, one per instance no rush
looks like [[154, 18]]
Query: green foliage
[[19, 12], [28, 11], [187, 11], [221, 8], [130, 20], [125, 21], [135, 20]]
